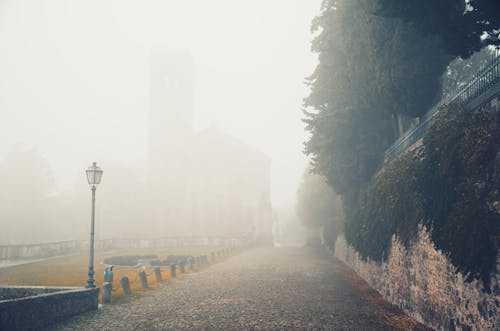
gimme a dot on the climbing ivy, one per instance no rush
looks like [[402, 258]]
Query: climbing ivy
[[451, 185]]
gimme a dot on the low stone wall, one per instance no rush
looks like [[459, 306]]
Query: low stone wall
[[44, 250], [422, 281], [17, 292], [35, 251], [31, 308]]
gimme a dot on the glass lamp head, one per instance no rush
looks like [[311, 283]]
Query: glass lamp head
[[94, 174]]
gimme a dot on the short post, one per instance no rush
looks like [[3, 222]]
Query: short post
[[172, 270], [182, 265], [106, 292], [126, 285], [205, 259], [158, 275], [213, 256], [144, 279], [108, 275]]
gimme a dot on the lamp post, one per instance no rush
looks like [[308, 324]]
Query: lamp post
[[94, 175]]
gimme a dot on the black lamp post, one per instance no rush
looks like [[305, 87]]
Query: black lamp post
[[94, 175]]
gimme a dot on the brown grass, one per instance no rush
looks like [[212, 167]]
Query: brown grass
[[72, 271]]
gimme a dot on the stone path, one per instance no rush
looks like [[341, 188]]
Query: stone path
[[261, 289]]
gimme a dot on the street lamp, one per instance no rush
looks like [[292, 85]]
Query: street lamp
[[94, 175]]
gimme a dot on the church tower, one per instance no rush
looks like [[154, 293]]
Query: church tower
[[170, 132]]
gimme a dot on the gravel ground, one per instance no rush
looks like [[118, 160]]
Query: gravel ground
[[261, 289]]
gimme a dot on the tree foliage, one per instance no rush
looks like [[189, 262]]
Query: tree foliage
[[463, 26], [379, 59], [27, 183], [462, 71], [370, 68], [315, 201]]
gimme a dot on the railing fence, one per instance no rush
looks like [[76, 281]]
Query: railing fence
[[486, 78]]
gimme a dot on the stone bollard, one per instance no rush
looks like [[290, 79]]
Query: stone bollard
[[108, 275], [126, 285], [181, 266], [158, 275], [106, 292], [144, 279], [173, 271]]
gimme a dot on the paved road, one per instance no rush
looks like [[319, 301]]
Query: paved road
[[260, 289]]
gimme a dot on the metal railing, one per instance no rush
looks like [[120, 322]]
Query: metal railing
[[486, 78]]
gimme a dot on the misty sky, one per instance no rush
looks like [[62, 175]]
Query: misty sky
[[74, 78]]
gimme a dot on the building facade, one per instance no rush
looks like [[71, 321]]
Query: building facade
[[208, 183]]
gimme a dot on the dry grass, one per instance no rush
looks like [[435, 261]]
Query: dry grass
[[72, 271]]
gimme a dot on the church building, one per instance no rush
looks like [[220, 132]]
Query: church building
[[207, 183]]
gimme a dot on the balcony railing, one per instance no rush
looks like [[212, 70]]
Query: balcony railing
[[486, 78]]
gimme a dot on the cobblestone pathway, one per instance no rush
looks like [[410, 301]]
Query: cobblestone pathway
[[260, 289]]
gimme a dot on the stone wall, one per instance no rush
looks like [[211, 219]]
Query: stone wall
[[17, 292], [31, 308], [12, 252], [422, 281], [44, 250]]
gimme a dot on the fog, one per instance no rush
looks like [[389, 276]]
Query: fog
[[76, 87]]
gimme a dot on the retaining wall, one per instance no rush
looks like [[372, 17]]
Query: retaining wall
[[31, 308], [422, 281]]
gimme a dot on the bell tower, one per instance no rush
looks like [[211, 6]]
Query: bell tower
[[170, 131]]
